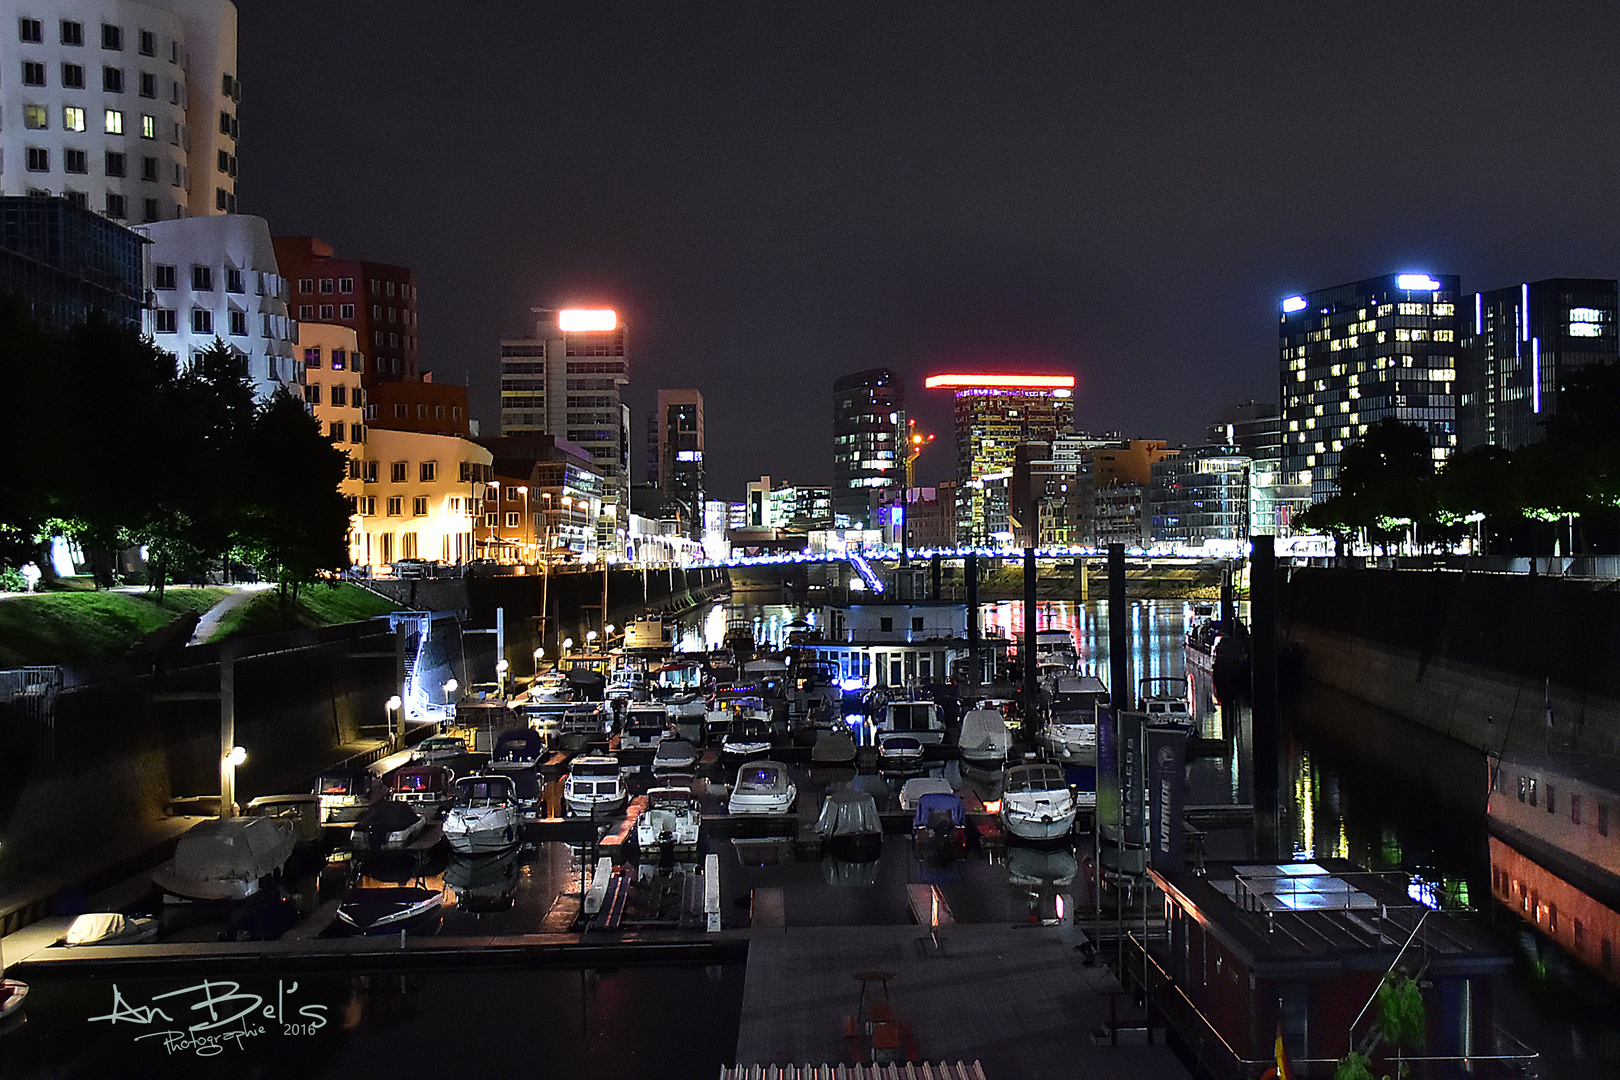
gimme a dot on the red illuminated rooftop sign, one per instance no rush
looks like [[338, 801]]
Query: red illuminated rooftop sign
[[997, 381]]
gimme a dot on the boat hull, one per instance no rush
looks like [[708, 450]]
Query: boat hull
[[483, 837], [1038, 828]]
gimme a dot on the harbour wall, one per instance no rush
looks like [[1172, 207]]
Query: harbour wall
[[1488, 660]]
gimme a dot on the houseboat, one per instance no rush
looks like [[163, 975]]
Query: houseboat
[[1254, 952]]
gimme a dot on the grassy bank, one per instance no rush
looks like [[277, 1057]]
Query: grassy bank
[[75, 626]]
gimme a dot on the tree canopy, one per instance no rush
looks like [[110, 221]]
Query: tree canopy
[[118, 448]]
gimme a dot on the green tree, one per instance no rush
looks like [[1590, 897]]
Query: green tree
[[296, 521], [30, 437]]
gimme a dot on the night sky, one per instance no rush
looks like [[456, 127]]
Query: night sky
[[776, 194]]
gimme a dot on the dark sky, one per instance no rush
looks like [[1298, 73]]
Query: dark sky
[[775, 194]]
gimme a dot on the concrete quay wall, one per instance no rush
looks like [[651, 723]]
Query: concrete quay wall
[[1484, 659]]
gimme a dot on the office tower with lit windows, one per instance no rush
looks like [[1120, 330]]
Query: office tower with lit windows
[[869, 437], [680, 455], [375, 300], [1519, 345], [568, 380], [994, 414], [1355, 354], [128, 109]]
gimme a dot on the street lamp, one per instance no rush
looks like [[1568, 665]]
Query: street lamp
[[393, 719], [590, 640], [233, 761], [528, 524], [450, 687], [567, 643], [538, 653], [501, 667]]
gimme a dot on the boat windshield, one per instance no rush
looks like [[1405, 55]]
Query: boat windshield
[[759, 779], [912, 715], [750, 729], [483, 789], [415, 781], [606, 768], [1041, 778]]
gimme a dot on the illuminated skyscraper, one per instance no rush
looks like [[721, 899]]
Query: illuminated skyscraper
[[1519, 345], [994, 414], [128, 109], [869, 432], [1356, 354], [568, 380]]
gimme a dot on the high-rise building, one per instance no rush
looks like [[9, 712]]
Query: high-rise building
[[869, 442], [375, 300], [1355, 354], [994, 414], [126, 108], [568, 380], [680, 455], [1519, 345], [215, 279]]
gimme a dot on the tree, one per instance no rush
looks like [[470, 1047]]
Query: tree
[[29, 437], [295, 523], [1382, 474]]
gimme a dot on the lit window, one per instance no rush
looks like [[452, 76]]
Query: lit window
[[115, 122], [35, 116], [148, 127], [73, 118]]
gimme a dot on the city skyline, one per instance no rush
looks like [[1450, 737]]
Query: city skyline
[[777, 199]]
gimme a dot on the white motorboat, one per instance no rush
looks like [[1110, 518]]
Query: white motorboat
[[594, 787], [763, 787], [645, 726], [303, 811], [346, 793], [672, 819], [388, 826], [629, 684], [438, 750], [226, 858], [919, 719], [1166, 702], [1071, 737], [1054, 646], [1036, 802], [110, 928], [485, 817], [551, 687], [918, 786], [985, 740], [674, 755], [900, 753], [391, 909], [746, 739], [13, 993]]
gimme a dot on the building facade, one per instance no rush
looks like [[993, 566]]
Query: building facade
[[65, 262], [333, 365], [869, 442], [128, 109], [1276, 497], [994, 414], [568, 380], [375, 300], [216, 279], [545, 501], [419, 405], [1519, 345], [1199, 495], [1352, 355], [679, 426], [419, 498]]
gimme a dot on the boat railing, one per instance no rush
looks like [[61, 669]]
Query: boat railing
[[1215, 1057]]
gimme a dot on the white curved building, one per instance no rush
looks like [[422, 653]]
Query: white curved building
[[127, 108], [216, 278]]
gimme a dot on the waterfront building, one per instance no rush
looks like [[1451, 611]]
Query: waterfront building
[[419, 405], [128, 108], [545, 499], [1352, 355], [419, 497], [1276, 497], [900, 645], [1199, 495], [376, 300], [1519, 346], [1119, 513], [679, 473], [994, 414], [333, 365], [869, 442], [216, 279], [65, 263], [568, 380]]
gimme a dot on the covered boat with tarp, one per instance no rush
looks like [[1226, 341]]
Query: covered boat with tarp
[[226, 858], [849, 824]]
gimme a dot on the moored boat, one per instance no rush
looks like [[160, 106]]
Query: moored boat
[[985, 741], [1165, 700], [391, 910], [226, 858], [671, 820], [388, 826], [1036, 802], [849, 825], [485, 817], [763, 787], [594, 787]]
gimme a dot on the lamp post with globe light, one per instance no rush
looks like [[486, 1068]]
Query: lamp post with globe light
[[538, 655], [394, 722]]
